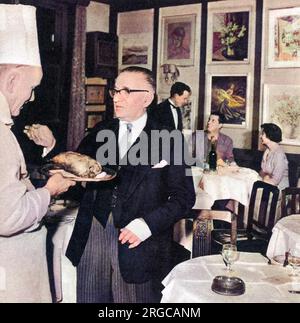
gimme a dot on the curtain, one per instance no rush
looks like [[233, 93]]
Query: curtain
[[76, 121]]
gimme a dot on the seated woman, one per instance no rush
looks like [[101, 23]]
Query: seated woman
[[274, 165]]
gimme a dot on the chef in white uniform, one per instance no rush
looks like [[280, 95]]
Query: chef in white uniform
[[23, 265]]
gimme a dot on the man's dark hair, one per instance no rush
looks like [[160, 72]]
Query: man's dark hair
[[179, 32], [220, 115], [179, 88], [137, 69], [272, 131]]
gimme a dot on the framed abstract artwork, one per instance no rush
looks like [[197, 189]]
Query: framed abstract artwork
[[281, 105], [284, 38], [178, 40], [228, 94], [228, 36]]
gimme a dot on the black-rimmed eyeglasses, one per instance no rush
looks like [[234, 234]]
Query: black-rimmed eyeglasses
[[125, 92]]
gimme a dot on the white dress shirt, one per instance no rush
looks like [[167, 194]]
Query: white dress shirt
[[174, 112], [137, 226]]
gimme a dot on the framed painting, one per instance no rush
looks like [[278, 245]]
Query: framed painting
[[228, 94], [188, 113], [281, 105], [284, 38], [93, 119], [228, 39], [94, 94], [135, 49], [178, 40]]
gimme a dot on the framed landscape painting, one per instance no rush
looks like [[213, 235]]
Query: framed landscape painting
[[281, 105], [284, 38], [228, 37], [228, 94], [178, 40], [135, 49]]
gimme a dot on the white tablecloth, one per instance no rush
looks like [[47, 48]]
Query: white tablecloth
[[285, 236], [231, 185], [190, 281], [63, 270]]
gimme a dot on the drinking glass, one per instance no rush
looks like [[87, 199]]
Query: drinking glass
[[294, 261], [230, 255]]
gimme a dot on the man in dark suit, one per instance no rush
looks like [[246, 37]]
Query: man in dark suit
[[168, 112], [122, 241]]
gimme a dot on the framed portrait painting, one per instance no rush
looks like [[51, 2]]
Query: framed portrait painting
[[178, 40], [228, 94], [284, 38], [228, 39], [281, 105]]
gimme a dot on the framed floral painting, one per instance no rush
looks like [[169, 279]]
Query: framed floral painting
[[284, 38], [178, 40], [281, 105], [228, 37], [228, 94]]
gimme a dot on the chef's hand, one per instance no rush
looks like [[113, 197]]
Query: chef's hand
[[58, 184], [128, 236], [41, 135]]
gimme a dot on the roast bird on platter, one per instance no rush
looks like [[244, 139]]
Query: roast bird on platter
[[79, 167]]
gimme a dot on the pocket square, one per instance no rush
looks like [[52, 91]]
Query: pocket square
[[161, 164]]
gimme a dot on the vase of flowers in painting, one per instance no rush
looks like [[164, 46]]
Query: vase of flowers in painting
[[230, 35]]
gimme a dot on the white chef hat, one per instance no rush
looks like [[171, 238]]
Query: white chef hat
[[18, 35]]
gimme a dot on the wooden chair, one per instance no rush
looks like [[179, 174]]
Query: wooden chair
[[203, 226], [261, 219], [290, 201]]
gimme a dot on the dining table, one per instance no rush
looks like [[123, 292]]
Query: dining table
[[285, 236], [191, 281], [226, 183]]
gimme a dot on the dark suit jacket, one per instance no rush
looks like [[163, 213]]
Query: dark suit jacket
[[161, 196], [163, 114]]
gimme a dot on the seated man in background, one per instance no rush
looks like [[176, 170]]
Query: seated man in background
[[274, 165], [224, 144]]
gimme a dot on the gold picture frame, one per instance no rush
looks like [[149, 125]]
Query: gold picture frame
[[94, 94]]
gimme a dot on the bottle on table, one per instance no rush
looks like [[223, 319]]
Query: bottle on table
[[212, 156]]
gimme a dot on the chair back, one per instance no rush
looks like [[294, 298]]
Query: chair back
[[290, 201], [263, 201]]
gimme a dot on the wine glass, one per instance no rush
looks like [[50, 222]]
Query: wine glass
[[230, 255], [294, 261]]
